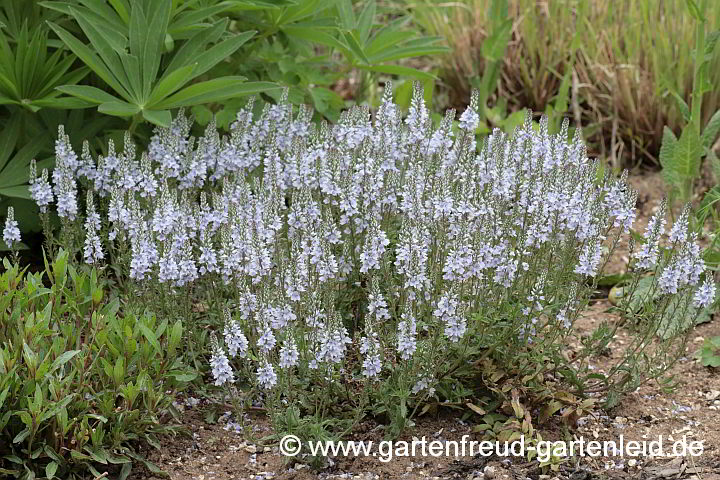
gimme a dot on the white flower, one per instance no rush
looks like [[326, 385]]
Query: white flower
[[11, 232]]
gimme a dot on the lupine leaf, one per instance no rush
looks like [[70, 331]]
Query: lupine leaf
[[214, 91], [86, 92], [158, 117], [171, 83], [90, 59], [119, 109]]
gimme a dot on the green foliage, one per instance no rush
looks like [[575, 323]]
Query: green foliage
[[135, 61], [30, 72], [709, 352], [128, 44], [681, 158], [79, 382]]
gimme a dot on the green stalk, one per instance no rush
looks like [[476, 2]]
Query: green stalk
[[696, 103]]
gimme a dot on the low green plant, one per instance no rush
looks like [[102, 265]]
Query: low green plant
[[709, 352], [383, 264], [81, 383], [681, 158]]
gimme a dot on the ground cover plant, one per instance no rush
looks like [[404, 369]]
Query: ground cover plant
[[82, 379], [381, 264]]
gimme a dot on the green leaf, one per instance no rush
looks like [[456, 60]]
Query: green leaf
[[493, 47], [171, 82], [365, 21], [407, 52], [62, 360], [90, 59], [400, 70], [355, 47], [119, 109], [147, 36], [316, 35], [346, 14], [16, 172], [221, 51], [122, 8], [685, 164], [214, 91], [190, 50], [158, 117], [150, 337], [681, 104], [104, 49], [695, 12], [667, 148], [8, 139], [712, 129], [86, 92]]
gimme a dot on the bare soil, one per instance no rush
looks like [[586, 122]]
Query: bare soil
[[210, 452]]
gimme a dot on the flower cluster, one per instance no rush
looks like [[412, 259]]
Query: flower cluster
[[11, 231], [417, 228]]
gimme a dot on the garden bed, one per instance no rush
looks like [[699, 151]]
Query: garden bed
[[212, 451]]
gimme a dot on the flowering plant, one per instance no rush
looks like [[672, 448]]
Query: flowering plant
[[380, 254]]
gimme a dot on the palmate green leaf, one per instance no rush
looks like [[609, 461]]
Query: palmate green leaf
[[88, 93], [254, 5], [355, 47], [100, 15], [16, 171], [122, 8], [158, 117], [365, 21], [304, 9], [17, 191], [214, 91], [29, 74], [119, 109], [192, 20], [90, 59], [347, 16], [388, 37], [189, 52], [131, 65], [105, 49], [158, 14], [323, 37], [220, 51], [170, 83], [63, 103], [8, 139]]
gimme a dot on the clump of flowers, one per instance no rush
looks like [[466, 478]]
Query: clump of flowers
[[373, 246]]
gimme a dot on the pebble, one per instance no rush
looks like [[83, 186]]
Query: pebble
[[490, 472], [250, 448]]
